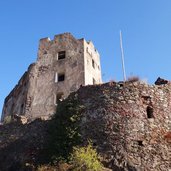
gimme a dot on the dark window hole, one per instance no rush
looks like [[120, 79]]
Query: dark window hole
[[140, 143], [61, 55], [121, 85], [61, 77], [150, 112], [93, 63]]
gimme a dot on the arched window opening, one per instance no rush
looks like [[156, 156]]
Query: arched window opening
[[22, 109], [150, 112]]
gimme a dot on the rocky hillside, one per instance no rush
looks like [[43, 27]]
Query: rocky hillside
[[128, 123]]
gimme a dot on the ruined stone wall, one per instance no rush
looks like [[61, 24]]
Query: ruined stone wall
[[16, 101], [129, 124], [92, 64], [59, 70]]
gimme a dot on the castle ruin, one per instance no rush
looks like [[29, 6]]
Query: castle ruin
[[63, 65]]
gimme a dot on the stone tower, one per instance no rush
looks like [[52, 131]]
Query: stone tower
[[62, 66]]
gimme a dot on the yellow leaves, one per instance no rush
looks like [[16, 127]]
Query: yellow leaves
[[85, 158]]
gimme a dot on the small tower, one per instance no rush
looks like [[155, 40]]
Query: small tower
[[62, 66]]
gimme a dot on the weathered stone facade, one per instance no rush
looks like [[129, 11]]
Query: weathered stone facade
[[129, 123], [63, 65]]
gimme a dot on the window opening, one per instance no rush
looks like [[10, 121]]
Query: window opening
[[93, 63], [121, 84], [61, 55], [140, 143], [150, 112], [61, 77], [94, 81], [59, 97], [22, 108]]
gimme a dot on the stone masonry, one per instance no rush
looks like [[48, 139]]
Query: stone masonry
[[129, 124], [63, 65]]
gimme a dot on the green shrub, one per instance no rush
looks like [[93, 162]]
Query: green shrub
[[64, 131], [85, 159]]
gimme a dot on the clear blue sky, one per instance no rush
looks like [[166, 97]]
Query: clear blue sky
[[145, 25]]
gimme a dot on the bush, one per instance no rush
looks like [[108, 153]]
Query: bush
[[85, 159], [64, 131], [133, 79]]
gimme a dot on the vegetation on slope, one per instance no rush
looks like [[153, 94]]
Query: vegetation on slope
[[64, 144], [64, 130]]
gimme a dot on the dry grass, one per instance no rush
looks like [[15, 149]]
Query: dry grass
[[133, 79], [60, 167]]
